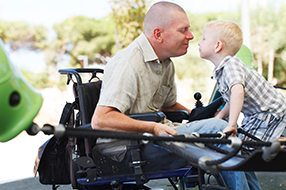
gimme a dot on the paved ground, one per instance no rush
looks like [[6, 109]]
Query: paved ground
[[34, 184], [269, 181], [18, 156]]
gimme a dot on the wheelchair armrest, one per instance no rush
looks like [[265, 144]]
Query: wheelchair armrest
[[207, 111], [177, 116], [152, 116]]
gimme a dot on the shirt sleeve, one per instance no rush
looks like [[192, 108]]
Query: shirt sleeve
[[234, 72], [118, 88]]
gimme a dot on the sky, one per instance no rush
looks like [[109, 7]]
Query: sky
[[56, 11], [49, 12]]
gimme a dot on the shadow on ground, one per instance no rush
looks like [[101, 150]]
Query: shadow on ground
[[268, 181]]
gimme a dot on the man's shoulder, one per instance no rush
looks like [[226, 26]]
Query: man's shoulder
[[127, 61], [129, 52], [135, 55]]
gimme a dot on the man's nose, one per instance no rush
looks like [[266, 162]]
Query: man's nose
[[190, 36]]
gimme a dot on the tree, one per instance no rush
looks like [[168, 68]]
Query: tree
[[23, 35], [129, 19], [79, 35], [269, 24]]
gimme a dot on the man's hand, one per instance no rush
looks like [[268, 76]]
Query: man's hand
[[232, 129], [161, 128]]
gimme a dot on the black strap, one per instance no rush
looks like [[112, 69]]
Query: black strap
[[67, 111], [137, 163]]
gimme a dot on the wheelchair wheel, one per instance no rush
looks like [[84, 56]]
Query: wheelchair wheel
[[102, 187], [125, 186]]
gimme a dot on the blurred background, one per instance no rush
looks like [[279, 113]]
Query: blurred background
[[44, 36]]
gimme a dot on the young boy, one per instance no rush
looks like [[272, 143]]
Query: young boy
[[243, 89]]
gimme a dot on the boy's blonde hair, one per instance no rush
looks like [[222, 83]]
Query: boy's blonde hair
[[229, 33]]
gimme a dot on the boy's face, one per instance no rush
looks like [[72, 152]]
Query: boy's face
[[207, 44]]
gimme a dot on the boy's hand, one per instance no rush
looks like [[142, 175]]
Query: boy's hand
[[231, 129]]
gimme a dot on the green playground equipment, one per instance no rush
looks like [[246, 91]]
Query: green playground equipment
[[19, 102], [246, 56]]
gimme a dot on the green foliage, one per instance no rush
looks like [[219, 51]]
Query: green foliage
[[79, 35], [23, 35], [268, 26], [38, 80], [129, 19], [45, 80]]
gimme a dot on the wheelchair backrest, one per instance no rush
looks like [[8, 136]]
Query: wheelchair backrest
[[86, 94], [88, 98]]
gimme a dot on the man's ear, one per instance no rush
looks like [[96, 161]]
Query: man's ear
[[219, 46], [158, 34]]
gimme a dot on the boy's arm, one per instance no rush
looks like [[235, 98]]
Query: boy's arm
[[223, 113], [236, 103]]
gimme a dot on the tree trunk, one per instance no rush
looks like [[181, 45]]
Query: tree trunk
[[271, 66], [245, 22]]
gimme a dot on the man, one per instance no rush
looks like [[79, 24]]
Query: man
[[140, 79]]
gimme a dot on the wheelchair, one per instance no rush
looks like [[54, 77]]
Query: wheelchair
[[76, 160]]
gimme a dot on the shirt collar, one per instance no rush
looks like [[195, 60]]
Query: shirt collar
[[148, 52], [218, 70], [146, 48]]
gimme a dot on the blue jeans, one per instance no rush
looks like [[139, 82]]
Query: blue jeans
[[235, 180]]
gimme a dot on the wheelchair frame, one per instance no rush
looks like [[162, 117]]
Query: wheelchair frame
[[83, 169], [75, 128], [86, 176]]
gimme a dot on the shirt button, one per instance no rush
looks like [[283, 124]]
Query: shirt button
[[158, 72]]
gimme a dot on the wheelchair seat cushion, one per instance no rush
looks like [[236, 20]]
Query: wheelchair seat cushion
[[114, 149], [157, 159]]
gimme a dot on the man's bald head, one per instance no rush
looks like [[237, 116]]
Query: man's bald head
[[161, 15]]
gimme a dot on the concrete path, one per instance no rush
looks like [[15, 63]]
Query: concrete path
[[18, 156], [268, 181]]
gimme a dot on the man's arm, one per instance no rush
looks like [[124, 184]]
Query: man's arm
[[109, 118], [177, 106]]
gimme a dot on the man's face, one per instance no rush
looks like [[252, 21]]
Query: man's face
[[207, 44], [177, 36]]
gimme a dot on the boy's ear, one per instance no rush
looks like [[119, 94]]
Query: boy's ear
[[158, 34], [219, 46]]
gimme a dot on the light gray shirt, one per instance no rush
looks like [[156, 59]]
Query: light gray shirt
[[135, 81]]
